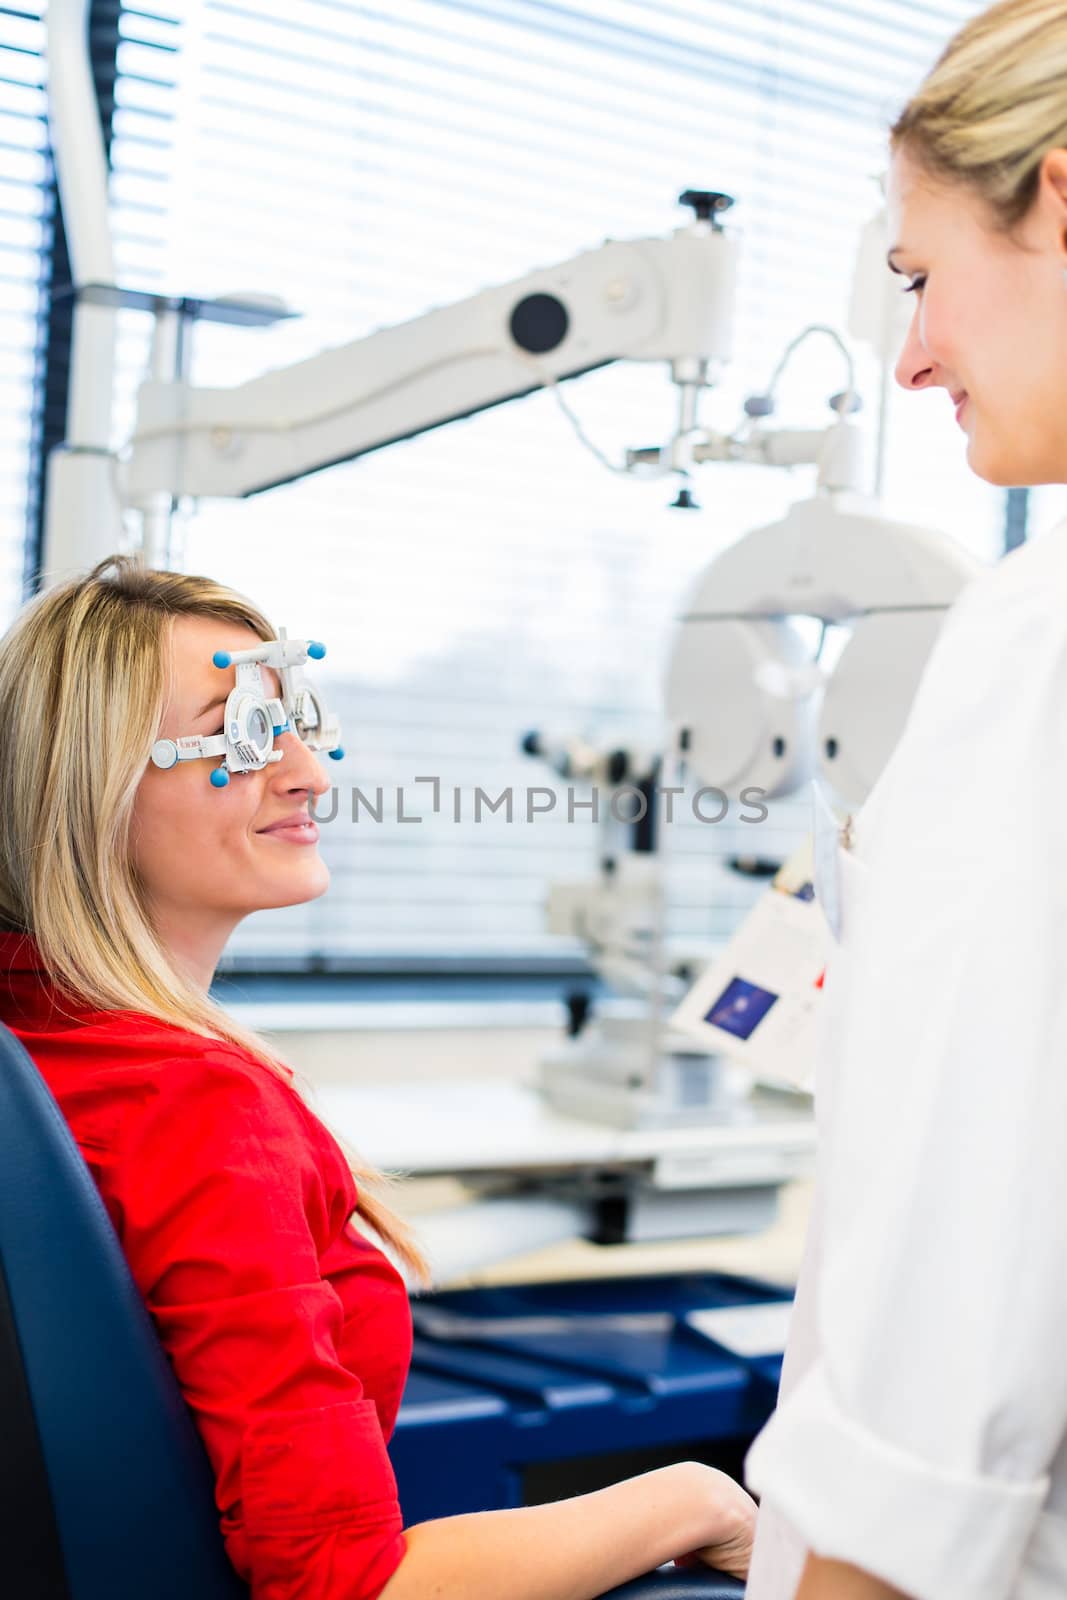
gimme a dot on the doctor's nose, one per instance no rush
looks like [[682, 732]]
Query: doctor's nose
[[914, 368]]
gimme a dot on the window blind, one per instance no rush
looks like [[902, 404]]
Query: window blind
[[368, 162], [25, 233]]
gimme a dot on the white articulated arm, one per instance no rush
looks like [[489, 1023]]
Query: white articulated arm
[[662, 299]]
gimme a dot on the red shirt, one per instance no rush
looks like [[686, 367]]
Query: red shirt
[[289, 1333]]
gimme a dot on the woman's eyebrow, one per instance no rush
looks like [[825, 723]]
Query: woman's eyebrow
[[897, 248], [271, 685]]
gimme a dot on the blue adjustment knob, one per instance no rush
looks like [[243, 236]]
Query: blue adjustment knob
[[337, 755], [280, 729], [222, 658], [315, 650], [220, 778]]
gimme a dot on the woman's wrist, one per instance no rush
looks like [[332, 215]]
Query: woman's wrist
[[712, 1506]]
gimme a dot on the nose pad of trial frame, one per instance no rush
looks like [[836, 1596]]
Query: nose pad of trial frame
[[224, 658]]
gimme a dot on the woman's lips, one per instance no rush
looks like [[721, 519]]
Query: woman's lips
[[305, 832], [961, 406]]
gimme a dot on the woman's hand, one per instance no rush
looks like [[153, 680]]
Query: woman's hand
[[733, 1523]]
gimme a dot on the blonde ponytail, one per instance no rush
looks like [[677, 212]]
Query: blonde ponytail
[[993, 105]]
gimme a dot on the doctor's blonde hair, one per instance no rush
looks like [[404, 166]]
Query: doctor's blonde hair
[[82, 688], [993, 106]]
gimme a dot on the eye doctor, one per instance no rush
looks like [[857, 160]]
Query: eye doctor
[[920, 1445]]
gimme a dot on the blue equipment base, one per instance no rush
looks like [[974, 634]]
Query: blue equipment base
[[521, 1395]]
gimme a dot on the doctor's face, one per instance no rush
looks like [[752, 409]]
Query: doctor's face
[[990, 319], [208, 857]]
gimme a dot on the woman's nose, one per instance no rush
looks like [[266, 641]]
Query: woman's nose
[[914, 369], [300, 768]]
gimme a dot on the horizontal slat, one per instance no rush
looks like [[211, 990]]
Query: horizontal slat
[[155, 33], [22, 29]]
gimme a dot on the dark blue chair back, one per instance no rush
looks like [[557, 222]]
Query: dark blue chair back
[[131, 1487], [106, 1492]]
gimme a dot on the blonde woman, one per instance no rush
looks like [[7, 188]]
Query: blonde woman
[[287, 1328], [920, 1447]]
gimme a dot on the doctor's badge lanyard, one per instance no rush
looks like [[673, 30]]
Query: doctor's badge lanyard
[[830, 836], [252, 721]]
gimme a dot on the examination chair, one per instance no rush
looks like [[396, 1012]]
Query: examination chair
[[106, 1492]]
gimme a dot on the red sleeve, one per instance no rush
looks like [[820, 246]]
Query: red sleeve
[[219, 1200]]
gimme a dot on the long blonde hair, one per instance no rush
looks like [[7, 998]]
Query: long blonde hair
[[993, 105], [82, 687]]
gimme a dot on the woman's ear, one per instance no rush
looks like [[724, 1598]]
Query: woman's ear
[[1052, 188]]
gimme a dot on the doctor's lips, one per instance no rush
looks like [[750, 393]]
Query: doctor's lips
[[959, 400]]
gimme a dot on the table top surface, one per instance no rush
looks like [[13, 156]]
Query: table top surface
[[478, 1124]]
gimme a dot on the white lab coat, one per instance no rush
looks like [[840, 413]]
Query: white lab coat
[[922, 1428]]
